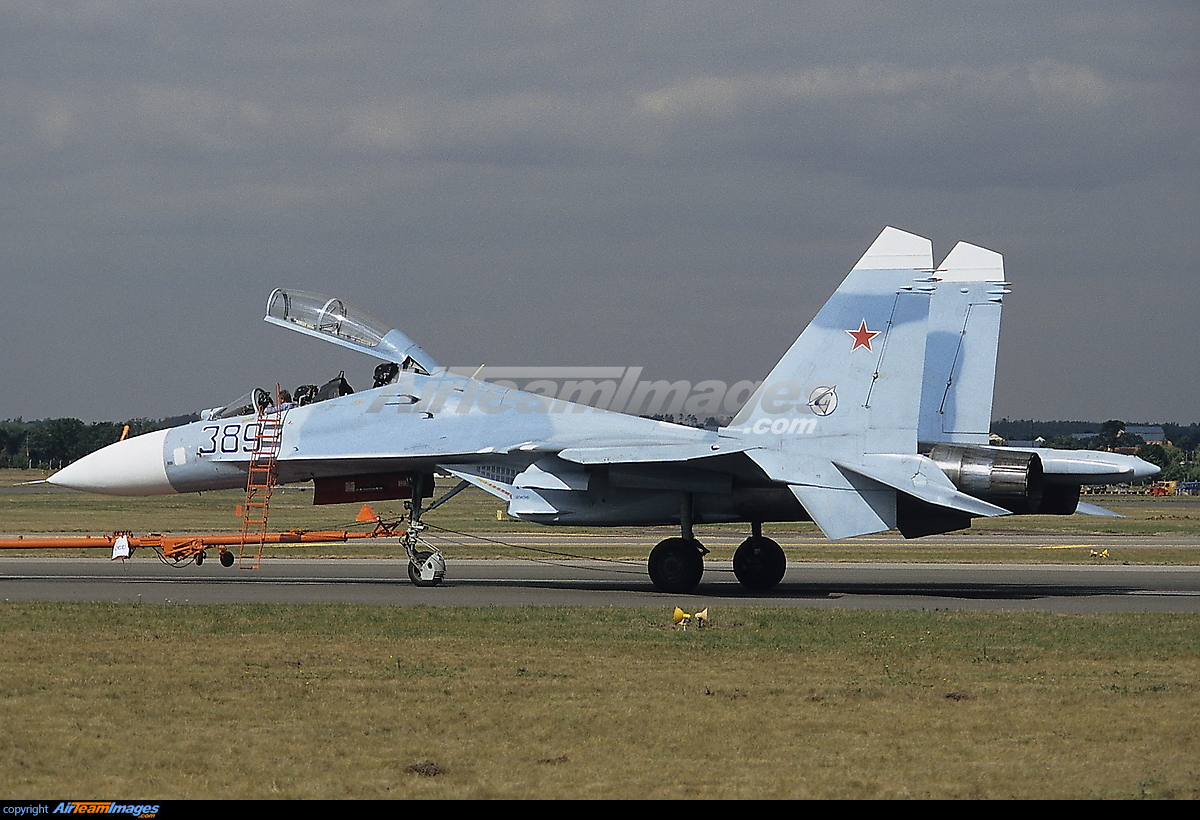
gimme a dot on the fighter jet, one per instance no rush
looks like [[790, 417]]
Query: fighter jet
[[875, 419]]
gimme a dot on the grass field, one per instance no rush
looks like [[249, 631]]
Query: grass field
[[323, 701]]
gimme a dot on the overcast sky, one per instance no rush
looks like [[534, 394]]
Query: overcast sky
[[677, 186]]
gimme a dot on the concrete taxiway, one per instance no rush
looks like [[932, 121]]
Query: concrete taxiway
[[1074, 588]]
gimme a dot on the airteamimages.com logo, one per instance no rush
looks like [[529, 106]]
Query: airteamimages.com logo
[[576, 389], [82, 807]]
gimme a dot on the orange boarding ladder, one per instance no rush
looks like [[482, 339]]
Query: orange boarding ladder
[[260, 481]]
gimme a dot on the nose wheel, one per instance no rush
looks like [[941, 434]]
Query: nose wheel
[[426, 569]]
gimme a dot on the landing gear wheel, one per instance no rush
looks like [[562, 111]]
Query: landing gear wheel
[[227, 559], [414, 571], [676, 565], [759, 563]]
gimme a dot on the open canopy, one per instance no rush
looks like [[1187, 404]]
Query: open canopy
[[336, 321]]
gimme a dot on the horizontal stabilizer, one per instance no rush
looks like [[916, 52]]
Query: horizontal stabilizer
[[845, 513], [842, 503], [921, 478], [1092, 509]]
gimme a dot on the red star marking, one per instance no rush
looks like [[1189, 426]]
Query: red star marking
[[862, 337]]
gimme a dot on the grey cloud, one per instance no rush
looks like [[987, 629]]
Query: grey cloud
[[670, 185]]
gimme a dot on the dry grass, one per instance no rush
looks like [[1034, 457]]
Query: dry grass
[[350, 701], [354, 701]]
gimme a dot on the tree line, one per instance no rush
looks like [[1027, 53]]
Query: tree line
[[53, 443]]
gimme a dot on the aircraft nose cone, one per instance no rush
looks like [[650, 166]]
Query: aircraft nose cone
[[131, 467]]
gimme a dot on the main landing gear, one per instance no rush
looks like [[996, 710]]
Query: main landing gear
[[677, 564], [759, 562]]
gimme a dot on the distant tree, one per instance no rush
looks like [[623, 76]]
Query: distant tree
[[1157, 454], [13, 434], [1110, 433], [55, 440], [1130, 440], [61, 441]]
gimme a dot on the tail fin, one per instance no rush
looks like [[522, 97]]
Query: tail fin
[[849, 381], [837, 418], [960, 352]]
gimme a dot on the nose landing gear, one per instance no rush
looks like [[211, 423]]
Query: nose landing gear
[[426, 567]]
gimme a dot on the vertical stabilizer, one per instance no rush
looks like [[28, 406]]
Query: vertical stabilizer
[[852, 378], [848, 387], [960, 352]]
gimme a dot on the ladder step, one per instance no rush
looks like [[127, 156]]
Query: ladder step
[[261, 478]]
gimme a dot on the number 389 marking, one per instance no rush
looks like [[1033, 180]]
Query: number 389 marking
[[229, 438]]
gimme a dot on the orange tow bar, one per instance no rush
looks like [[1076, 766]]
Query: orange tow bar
[[184, 547]]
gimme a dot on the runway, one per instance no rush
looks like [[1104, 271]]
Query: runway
[[1076, 588]]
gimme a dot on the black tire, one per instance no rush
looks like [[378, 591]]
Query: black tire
[[414, 571], [199, 558], [227, 559], [676, 565], [759, 563]]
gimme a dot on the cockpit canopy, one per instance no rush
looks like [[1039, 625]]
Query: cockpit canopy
[[335, 321]]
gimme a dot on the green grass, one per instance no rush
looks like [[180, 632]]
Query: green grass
[[324, 701]]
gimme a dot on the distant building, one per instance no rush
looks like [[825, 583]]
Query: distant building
[[1151, 434], [1148, 434]]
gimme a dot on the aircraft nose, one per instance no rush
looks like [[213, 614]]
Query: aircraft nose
[[131, 467]]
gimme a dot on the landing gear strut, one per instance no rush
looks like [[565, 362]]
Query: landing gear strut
[[677, 564], [425, 568]]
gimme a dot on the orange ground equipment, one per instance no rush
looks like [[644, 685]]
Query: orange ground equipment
[[187, 548]]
